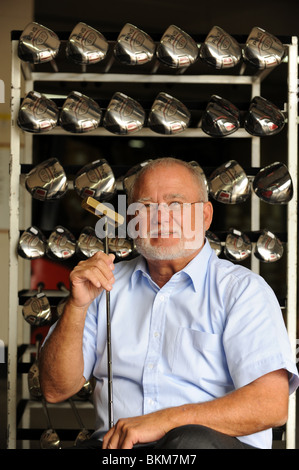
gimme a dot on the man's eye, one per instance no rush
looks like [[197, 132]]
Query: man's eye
[[175, 205]]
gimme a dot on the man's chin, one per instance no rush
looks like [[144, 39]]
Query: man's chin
[[162, 251]]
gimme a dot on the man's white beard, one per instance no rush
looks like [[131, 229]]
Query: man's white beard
[[148, 251]]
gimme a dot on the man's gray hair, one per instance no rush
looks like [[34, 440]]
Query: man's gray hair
[[194, 170]]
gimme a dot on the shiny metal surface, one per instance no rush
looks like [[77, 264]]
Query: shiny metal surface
[[263, 118], [86, 45], [80, 113], [134, 46], [47, 180], [121, 247], [123, 183], [229, 183], [273, 184], [237, 246], [61, 243], [220, 118], [214, 242], [33, 381], [88, 243], [38, 44], [36, 310], [124, 115], [95, 180], [168, 115], [32, 243], [49, 438], [268, 247], [37, 114], [177, 49], [220, 49], [201, 173], [262, 49]]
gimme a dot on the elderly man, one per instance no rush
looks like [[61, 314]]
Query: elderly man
[[201, 357]]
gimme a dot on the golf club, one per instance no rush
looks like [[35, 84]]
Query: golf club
[[36, 310], [96, 180], [32, 243], [262, 49], [263, 118], [268, 247], [121, 247], [214, 242], [49, 438], [79, 113], [221, 117], [177, 49], [134, 46], [237, 246], [168, 115], [220, 50], [229, 183], [37, 114], [86, 45], [110, 218], [124, 115], [47, 181], [33, 377], [86, 391], [88, 243], [124, 182], [84, 434], [273, 184], [201, 173], [61, 244], [38, 44]]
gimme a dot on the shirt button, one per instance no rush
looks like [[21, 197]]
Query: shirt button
[[150, 366], [156, 334], [162, 298]]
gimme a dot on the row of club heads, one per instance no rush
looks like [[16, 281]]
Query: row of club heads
[[176, 49], [238, 247], [62, 244], [50, 439], [228, 183], [125, 116]]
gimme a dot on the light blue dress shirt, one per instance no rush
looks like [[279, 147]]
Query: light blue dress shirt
[[214, 327]]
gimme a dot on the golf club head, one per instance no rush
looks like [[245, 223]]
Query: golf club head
[[32, 244], [88, 243], [83, 435], [220, 49], [37, 113], [134, 46], [124, 115], [221, 117], [86, 391], [268, 247], [123, 183], [86, 45], [47, 181], [95, 180], [214, 242], [168, 115], [177, 49], [229, 183], [237, 246], [33, 381], [273, 184], [38, 44], [263, 118], [80, 113], [36, 310], [61, 244], [49, 439], [121, 247], [262, 49], [201, 173]]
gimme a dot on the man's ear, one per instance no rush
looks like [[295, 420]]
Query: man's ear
[[207, 214]]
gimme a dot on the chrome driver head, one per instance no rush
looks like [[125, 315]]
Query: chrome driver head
[[47, 181], [37, 310], [80, 113], [134, 46], [237, 245], [61, 243], [214, 242], [229, 183], [124, 115], [220, 49], [95, 180], [86, 45], [263, 118], [88, 243], [220, 118], [268, 247], [38, 44], [262, 49], [121, 247], [32, 243], [273, 184], [37, 114], [177, 49], [168, 115]]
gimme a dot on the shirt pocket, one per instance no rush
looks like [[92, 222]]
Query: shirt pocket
[[199, 358]]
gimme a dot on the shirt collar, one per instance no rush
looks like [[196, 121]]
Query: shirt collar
[[195, 270]]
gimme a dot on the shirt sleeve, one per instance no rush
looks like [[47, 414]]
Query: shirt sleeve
[[255, 338]]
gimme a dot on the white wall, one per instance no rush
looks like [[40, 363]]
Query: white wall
[[14, 15]]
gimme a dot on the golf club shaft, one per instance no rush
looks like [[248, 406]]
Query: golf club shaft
[[76, 413], [47, 413], [109, 352]]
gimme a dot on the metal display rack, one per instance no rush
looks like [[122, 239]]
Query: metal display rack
[[23, 77]]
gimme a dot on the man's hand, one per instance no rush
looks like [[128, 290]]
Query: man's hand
[[139, 430], [90, 277]]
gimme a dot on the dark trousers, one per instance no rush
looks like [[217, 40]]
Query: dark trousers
[[184, 437]]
